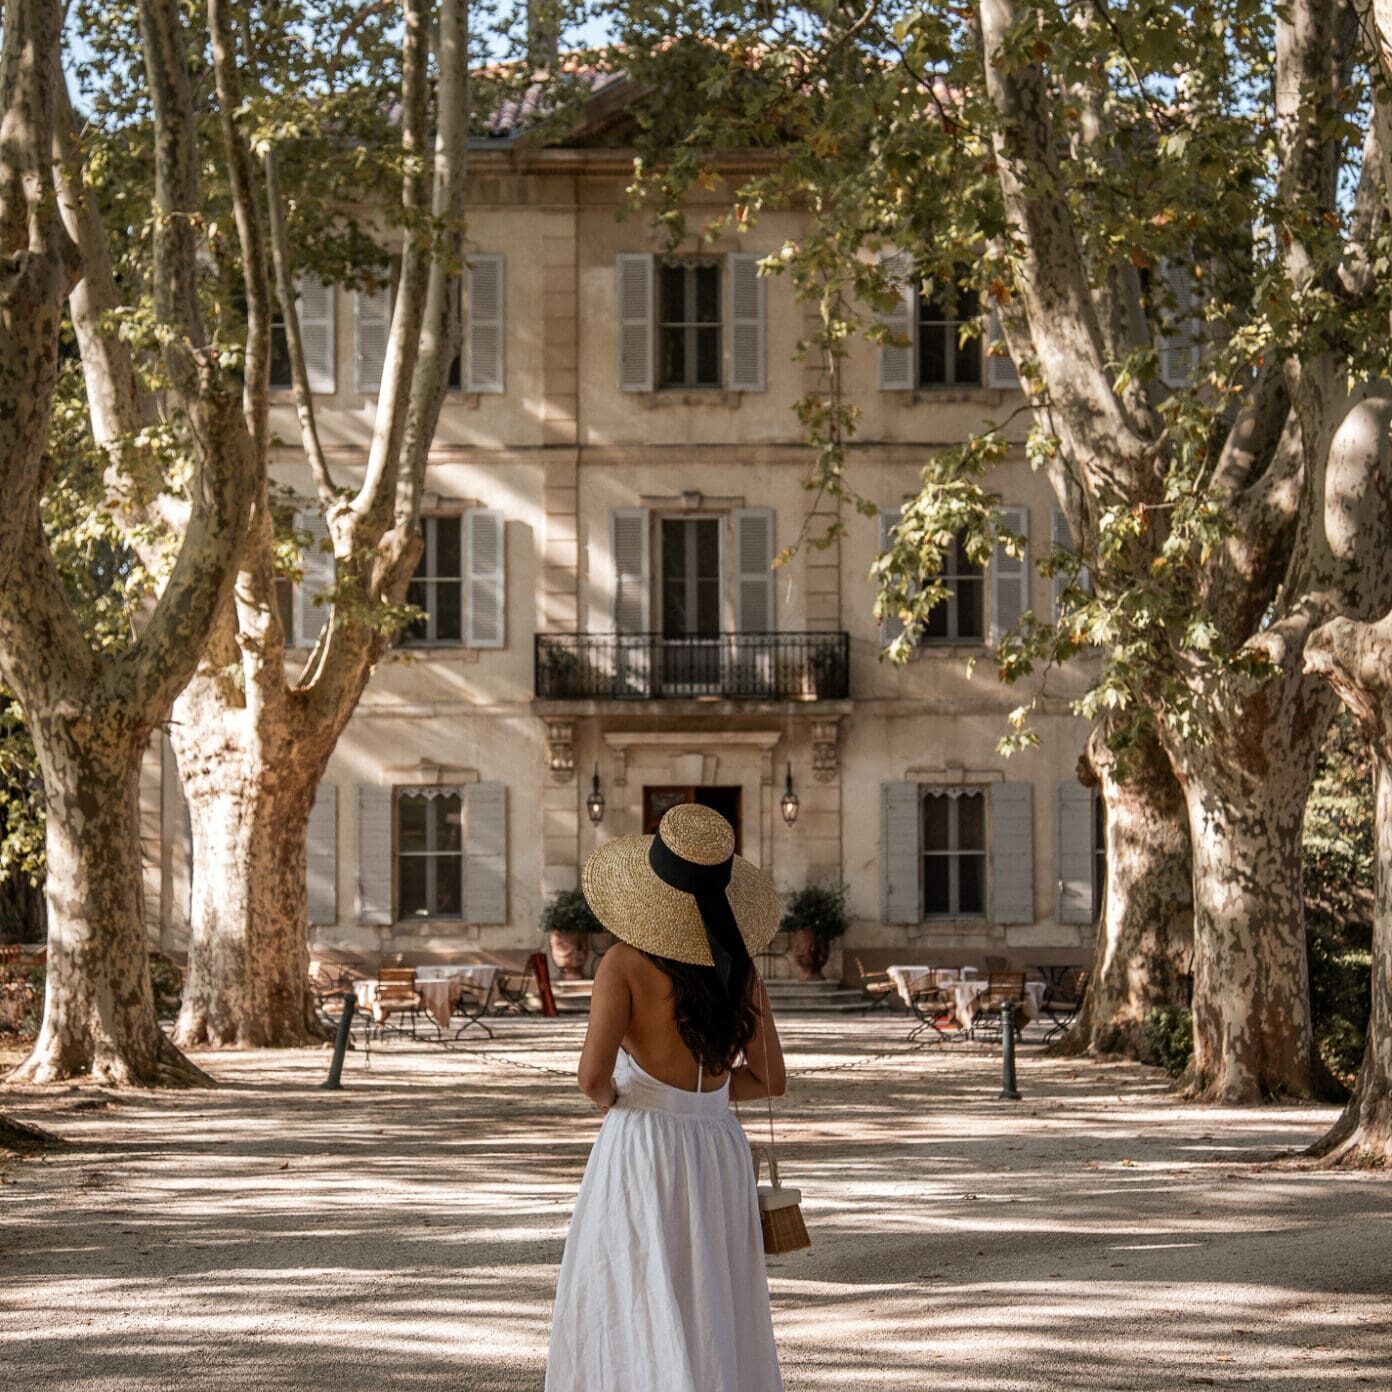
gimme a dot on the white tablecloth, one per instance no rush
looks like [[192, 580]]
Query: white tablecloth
[[438, 987], [906, 977], [965, 992], [480, 973]]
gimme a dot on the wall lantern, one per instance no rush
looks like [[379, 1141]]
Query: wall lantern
[[594, 804], [789, 802]]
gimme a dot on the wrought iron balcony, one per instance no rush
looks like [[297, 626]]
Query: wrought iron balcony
[[730, 666]]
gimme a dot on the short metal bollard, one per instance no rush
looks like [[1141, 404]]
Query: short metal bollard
[[345, 1025], [1009, 1092]]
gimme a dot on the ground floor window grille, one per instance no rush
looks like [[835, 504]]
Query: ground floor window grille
[[430, 853], [954, 854]]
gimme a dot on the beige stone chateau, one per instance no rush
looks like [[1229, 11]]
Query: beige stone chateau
[[609, 484]]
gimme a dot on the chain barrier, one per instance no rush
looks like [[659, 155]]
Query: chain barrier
[[463, 1047]]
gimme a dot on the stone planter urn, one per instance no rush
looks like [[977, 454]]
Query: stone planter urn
[[570, 950], [809, 952]]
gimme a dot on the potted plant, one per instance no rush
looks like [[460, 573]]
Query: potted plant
[[569, 923], [813, 916]]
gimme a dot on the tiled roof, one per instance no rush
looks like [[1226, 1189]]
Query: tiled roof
[[514, 113]]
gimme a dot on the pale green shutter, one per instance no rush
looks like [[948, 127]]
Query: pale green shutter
[[634, 288], [747, 331], [321, 855], [485, 853], [900, 853], [485, 336], [1009, 577], [376, 849], [1012, 853], [1073, 852], [317, 567]]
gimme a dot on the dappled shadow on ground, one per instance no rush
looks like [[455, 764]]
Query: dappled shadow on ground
[[404, 1233]]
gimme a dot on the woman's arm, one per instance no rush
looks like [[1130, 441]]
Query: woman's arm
[[610, 1008], [763, 1073]]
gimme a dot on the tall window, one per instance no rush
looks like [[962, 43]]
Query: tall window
[[688, 328], [963, 614], [954, 855], [690, 577], [430, 855], [438, 585], [944, 360]]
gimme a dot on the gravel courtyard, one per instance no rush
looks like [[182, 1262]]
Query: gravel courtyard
[[403, 1235]]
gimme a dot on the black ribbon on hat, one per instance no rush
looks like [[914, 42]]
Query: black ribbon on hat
[[706, 884]]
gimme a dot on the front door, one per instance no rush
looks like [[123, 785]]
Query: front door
[[726, 801], [691, 602]]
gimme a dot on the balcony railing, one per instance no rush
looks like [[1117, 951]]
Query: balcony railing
[[731, 666]]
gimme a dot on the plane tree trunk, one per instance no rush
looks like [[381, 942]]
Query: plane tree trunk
[[92, 713], [1145, 939], [1356, 659], [251, 751]]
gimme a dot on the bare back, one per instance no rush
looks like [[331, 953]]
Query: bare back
[[652, 1037]]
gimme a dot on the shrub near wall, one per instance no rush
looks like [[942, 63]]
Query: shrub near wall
[[21, 999]]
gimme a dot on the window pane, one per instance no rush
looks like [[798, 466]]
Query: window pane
[[935, 892], [447, 546], [449, 886], [707, 294], [410, 872], [708, 549], [962, 564], [971, 597], [932, 354], [411, 823], [971, 822], [968, 366], [449, 622], [708, 357], [418, 594], [708, 607], [449, 823], [971, 882], [281, 376], [936, 624], [935, 814], [673, 357], [673, 310]]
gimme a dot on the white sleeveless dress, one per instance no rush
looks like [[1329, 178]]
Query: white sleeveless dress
[[662, 1284]]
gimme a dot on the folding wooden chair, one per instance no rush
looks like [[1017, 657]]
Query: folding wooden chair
[[935, 1006], [1063, 999], [515, 988], [396, 995], [877, 987], [1001, 987]]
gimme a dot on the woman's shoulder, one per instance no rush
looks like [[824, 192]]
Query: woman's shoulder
[[620, 960]]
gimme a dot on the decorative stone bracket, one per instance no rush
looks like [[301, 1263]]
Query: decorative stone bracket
[[560, 750], [826, 755]]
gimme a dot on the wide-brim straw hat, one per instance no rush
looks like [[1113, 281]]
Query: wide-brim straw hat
[[641, 909]]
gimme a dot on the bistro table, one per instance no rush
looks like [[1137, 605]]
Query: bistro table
[[965, 992], [907, 977], [440, 987]]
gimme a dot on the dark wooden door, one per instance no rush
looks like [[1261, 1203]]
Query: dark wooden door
[[725, 800]]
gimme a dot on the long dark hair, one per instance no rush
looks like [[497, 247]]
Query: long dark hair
[[714, 1026]]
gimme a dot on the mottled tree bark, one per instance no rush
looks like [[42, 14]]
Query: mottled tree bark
[[1145, 940], [37, 261], [1356, 659], [99, 1010], [91, 714], [1302, 474], [251, 752], [248, 979]]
